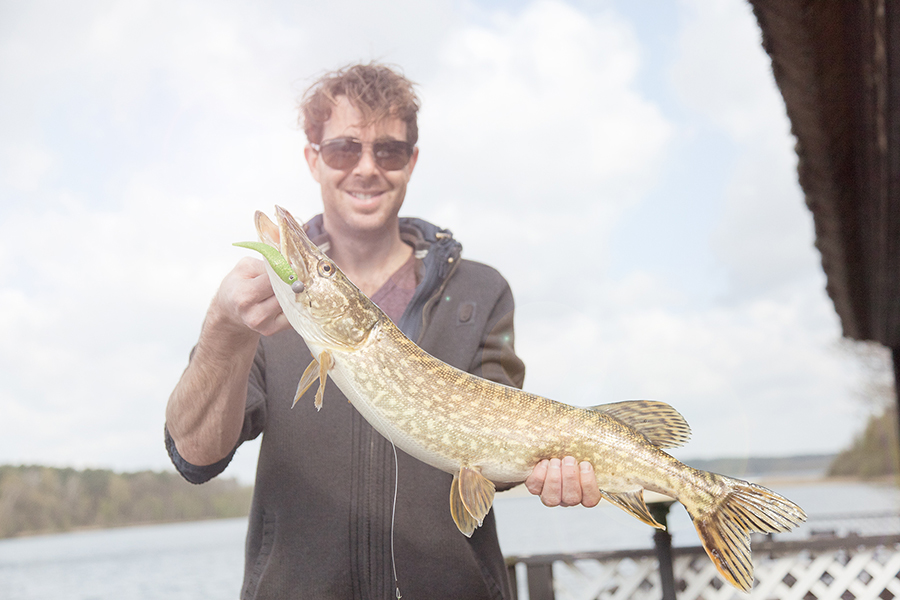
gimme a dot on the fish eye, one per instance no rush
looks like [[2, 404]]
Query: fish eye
[[326, 268]]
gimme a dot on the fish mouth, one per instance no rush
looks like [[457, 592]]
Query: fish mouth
[[289, 236]]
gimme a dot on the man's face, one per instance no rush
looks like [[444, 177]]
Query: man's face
[[364, 199]]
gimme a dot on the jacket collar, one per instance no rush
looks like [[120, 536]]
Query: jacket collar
[[424, 237], [434, 246]]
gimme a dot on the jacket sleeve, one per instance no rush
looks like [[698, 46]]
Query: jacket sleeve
[[254, 421], [191, 472]]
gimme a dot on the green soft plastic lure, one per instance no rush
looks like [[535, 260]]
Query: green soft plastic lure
[[278, 263]]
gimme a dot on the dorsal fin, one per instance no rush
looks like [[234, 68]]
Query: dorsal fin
[[658, 421]]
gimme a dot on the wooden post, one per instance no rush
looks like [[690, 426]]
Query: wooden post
[[663, 541], [895, 353], [540, 582], [513, 581]]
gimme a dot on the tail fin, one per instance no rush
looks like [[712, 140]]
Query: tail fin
[[725, 528]]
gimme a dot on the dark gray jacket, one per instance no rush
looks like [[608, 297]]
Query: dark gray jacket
[[320, 523]]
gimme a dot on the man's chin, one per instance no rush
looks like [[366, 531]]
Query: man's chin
[[363, 222]]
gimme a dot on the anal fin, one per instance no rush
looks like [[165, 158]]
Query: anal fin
[[633, 503]]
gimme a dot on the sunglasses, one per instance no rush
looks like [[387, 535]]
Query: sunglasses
[[345, 153]]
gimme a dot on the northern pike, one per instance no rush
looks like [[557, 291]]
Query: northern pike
[[483, 432]]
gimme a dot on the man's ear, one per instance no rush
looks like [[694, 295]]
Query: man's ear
[[312, 160]]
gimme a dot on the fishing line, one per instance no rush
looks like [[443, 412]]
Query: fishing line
[[393, 514], [394, 504]]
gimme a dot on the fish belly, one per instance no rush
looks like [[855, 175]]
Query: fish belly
[[420, 433]]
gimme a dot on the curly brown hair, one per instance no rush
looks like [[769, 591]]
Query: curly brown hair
[[374, 89]]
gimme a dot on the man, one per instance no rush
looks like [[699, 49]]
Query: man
[[325, 522]]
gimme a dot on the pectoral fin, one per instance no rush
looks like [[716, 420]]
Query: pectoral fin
[[464, 521], [633, 502], [309, 376], [477, 493], [325, 364], [317, 369]]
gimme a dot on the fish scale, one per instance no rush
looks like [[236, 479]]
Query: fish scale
[[485, 433]]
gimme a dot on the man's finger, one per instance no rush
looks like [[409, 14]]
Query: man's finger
[[590, 490], [571, 482], [552, 492], [535, 481]]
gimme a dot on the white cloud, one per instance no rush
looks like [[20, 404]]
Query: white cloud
[[765, 236], [534, 139], [722, 72], [26, 165], [540, 107]]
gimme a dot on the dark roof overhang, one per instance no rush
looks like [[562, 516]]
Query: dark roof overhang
[[837, 64]]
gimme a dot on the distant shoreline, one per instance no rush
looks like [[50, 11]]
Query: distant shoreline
[[38, 500], [89, 528], [775, 480]]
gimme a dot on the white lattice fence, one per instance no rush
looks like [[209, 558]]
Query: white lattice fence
[[860, 569], [857, 574]]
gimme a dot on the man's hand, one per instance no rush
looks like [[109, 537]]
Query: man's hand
[[245, 298], [564, 483]]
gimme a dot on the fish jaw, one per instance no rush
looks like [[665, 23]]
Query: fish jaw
[[326, 308]]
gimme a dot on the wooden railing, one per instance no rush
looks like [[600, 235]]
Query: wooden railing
[[852, 567]]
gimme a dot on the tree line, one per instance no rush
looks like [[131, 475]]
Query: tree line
[[39, 499], [874, 452]]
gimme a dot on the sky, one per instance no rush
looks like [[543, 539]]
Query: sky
[[628, 167]]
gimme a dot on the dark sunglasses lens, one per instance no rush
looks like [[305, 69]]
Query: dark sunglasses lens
[[345, 154], [341, 154], [392, 156]]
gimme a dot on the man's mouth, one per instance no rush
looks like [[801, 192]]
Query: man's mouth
[[364, 196]]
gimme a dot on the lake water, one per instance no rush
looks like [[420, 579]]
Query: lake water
[[205, 559]]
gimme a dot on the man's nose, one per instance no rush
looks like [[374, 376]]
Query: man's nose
[[366, 164]]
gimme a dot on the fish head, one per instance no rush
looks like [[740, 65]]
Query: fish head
[[319, 301]]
